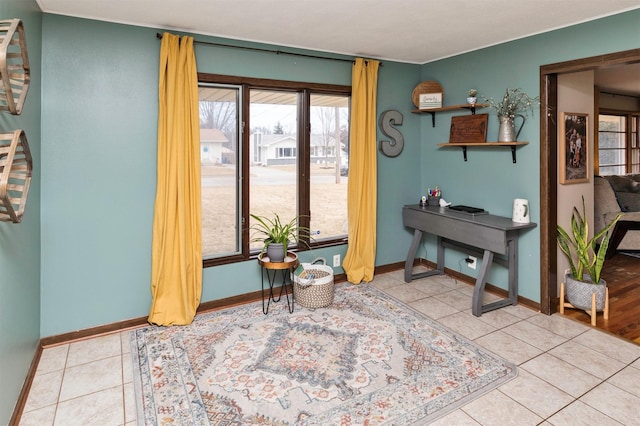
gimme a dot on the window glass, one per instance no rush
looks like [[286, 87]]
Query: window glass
[[273, 185], [329, 166], [270, 148], [219, 160], [612, 140]]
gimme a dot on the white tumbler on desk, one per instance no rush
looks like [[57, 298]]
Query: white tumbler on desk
[[521, 211]]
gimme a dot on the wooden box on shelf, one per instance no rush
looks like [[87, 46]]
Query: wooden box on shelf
[[15, 175]]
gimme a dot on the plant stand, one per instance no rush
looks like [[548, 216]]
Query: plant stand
[[271, 269], [593, 312]]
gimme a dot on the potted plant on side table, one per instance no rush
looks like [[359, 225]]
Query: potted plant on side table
[[584, 287], [275, 234]]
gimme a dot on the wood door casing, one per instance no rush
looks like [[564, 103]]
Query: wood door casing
[[549, 163]]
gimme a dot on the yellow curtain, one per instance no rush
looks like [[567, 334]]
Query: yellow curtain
[[359, 262], [176, 275]]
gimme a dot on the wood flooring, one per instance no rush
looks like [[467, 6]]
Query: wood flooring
[[622, 274]]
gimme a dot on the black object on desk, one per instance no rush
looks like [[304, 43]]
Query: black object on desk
[[489, 233], [467, 209]]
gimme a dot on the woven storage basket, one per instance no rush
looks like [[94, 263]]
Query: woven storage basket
[[313, 286]]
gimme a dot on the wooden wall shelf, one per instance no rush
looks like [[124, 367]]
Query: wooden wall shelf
[[464, 146], [433, 111]]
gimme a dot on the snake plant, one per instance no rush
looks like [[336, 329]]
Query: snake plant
[[589, 255]]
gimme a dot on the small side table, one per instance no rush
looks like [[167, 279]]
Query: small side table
[[271, 269]]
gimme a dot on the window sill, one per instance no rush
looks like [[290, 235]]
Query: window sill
[[218, 261]]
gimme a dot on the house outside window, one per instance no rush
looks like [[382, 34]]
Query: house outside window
[[269, 148], [285, 152]]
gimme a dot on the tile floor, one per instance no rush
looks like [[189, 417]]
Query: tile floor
[[568, 373]]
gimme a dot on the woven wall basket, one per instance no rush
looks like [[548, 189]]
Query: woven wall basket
[[16, 168], [14, 66]]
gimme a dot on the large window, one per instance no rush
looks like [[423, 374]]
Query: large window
[[271, 147], [618, 147]]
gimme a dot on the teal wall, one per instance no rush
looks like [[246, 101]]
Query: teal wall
[[20, 243], [90, 118], [99, 139], [99, 121], [489, 178]]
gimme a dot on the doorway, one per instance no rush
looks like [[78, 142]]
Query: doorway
[[549, 160]]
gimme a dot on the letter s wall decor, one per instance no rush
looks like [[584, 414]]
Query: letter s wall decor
[[387, 120]]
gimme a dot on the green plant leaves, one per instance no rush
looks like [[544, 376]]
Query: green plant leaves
[[588, 259], [274, 230]]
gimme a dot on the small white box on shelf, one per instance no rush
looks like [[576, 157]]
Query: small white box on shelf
[[430, 100]]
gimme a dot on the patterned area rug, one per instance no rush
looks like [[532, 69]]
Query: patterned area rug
[[366, 359]]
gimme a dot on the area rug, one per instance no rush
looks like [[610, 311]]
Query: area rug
[[366, 359]]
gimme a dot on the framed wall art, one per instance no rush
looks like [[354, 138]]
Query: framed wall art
[[574, 148]]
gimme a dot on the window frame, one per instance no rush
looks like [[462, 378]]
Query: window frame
[[304, 90], [629, 132]]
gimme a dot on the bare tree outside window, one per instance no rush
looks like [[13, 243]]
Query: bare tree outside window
[[279, 181]]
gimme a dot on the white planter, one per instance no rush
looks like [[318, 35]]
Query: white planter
[[579, 293]]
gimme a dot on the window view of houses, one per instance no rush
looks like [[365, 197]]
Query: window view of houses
[[276, 153]]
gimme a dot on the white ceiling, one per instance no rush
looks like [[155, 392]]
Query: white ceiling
[[622, 79], [412, 31]]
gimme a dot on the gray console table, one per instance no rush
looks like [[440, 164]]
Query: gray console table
[[489, 233]]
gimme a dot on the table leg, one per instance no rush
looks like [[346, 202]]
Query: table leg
[[271, 297], [440, 256], [265, 310], [285, 272], [477, 307], [408, 265], [512, 246], [481, 281], [617, 235]]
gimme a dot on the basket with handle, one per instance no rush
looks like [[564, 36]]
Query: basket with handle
[[313, 284]]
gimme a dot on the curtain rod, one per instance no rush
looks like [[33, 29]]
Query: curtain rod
[[277, 52]]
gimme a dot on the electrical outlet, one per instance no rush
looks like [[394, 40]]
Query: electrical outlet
[[336, 260], [471, 262]]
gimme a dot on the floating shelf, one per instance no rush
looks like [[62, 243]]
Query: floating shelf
[[432, 111], [15, 175], [464, 146], [14, 66]]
